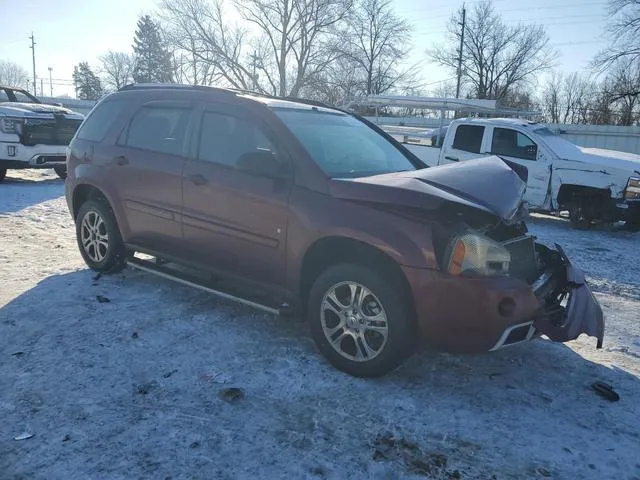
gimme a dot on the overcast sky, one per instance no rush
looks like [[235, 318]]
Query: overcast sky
[[70, 31]]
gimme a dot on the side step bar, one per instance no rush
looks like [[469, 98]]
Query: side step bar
[[158, 268]]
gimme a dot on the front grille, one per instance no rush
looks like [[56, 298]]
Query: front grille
[[523, 258], [55, 131]]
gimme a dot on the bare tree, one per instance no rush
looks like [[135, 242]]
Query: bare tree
[[377, 41], [296, 33], [622, 87], [566, 99], [624, 28], [13, 75], [201, 31], [116, 69], [496, 57], [289, 50]]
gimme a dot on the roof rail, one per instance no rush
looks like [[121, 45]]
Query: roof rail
[[178, 86], [171, 86]]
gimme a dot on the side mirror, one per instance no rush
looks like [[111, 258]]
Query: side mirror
[[262, 163]]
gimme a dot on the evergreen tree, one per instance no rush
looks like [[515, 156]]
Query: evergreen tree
[[152, 60], [88, 86]]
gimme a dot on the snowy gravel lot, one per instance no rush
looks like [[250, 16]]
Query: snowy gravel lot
[[131, 388]]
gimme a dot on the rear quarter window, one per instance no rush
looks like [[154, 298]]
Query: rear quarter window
[[96, 125], [468, 138]]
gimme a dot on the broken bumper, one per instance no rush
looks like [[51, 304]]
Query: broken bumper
[[570, 307], [472, 315]]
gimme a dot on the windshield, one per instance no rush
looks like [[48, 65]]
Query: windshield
[[545, 132], [342, 145]]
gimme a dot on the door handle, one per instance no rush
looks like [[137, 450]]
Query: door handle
[[197, 179], [121, 160], [453, 159]]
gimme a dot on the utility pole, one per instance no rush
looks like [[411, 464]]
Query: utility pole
[[459, 72], [41, 87], [254, 59], [50, 83], [33, 56]]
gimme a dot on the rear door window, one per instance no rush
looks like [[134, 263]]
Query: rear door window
[[96, 125], [3, 95], [468, 138], [160, 129]]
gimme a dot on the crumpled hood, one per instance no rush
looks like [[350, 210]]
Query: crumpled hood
[[487, 184], [20, 109], [609, 158]]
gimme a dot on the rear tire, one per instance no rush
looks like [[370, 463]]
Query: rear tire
[[349, 308], [61, 171], [3, 173], [99, 238]]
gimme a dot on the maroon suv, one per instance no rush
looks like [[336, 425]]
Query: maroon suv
[[295, 206]]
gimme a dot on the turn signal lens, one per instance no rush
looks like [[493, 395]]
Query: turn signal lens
[[457, 258]]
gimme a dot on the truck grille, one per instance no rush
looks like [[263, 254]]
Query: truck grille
[[523, 258], [55, 131]]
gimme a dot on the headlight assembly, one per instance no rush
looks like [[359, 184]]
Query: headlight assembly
[[10, 125], [475, 255]]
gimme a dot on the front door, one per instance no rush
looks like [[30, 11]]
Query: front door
[[234, 220], [146, 165], [519, 148]]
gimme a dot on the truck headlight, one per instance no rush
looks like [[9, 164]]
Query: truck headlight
[[475, 255], [632, 192], [10, 125]]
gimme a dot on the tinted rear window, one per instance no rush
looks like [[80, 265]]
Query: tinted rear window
[[160, 129], [96, 125], [468, 138]]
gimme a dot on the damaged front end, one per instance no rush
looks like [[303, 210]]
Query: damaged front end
[[566, 306], [570, 308]]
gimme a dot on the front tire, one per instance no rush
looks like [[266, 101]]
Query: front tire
[[99, 238], [358, 320], [3, 173], [61, 171]]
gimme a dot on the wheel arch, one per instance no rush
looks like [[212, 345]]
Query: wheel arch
[[333, 250], [88, 191], [569, 191]]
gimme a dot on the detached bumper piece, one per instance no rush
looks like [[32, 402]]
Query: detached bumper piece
[[570, 307]]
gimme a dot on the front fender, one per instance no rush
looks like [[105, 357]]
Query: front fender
[[585, 175], [407, 242]]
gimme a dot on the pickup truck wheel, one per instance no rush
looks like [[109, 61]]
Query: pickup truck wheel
[[358, 320], [61, 171], [578, 217], [3, 173], [99, 237]]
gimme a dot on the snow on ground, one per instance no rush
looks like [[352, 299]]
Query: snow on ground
[[131, 388]]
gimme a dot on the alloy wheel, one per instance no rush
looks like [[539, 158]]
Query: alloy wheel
[[94, 236], [354, 321]]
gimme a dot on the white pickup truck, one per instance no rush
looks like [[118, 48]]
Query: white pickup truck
[[34, 134], [592, 184]]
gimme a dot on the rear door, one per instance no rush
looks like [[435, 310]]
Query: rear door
[[467, 144], [234, 220], [517, 147], [146, 166]]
